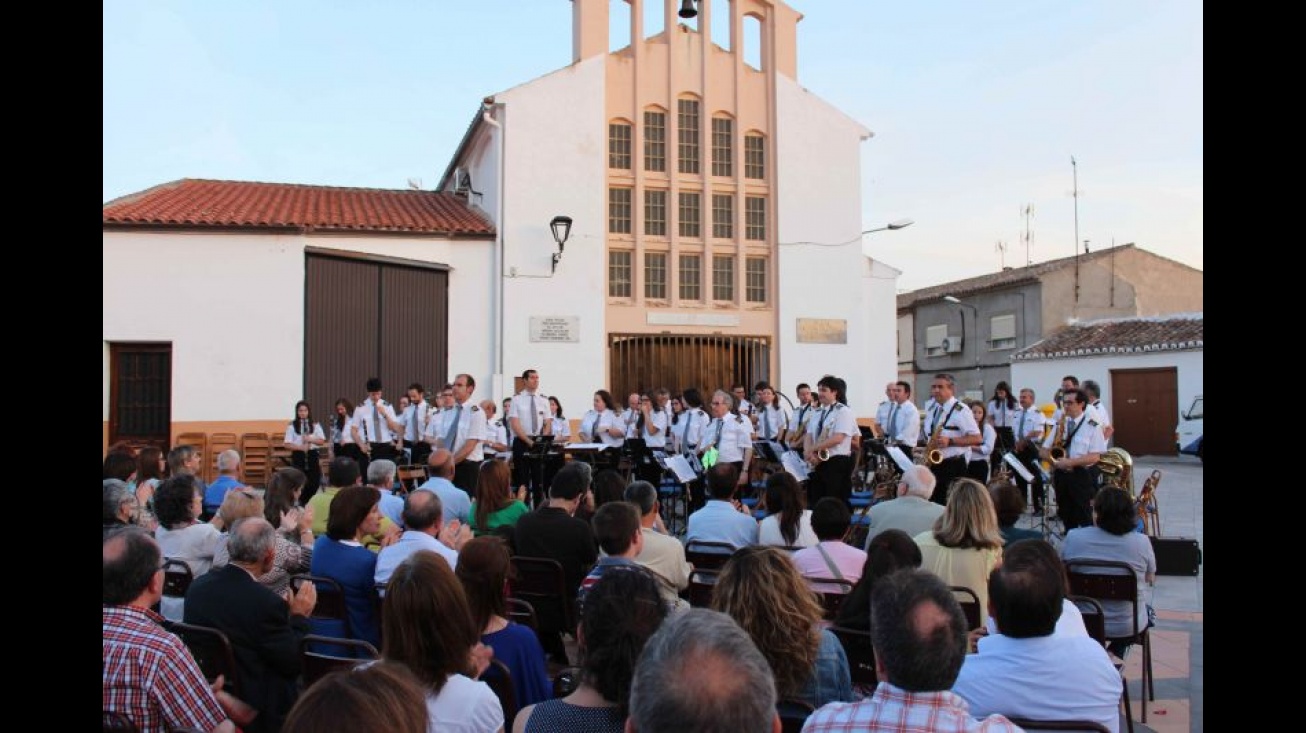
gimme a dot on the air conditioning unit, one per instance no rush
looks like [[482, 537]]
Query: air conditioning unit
[[462, 181], [952, 344]]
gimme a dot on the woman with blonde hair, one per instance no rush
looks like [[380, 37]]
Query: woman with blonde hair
[[760, 588], [965, 544], [494, 505], [292, 556]]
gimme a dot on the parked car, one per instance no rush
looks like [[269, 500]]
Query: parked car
[[1188, 434]]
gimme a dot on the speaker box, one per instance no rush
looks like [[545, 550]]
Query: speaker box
[[1176, 555]]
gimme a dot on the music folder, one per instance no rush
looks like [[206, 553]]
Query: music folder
[[768, 449], [904, 462], [795, 465], [1011, 460], [679, 466]]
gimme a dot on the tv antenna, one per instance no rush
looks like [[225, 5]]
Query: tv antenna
[[1001, 249], [1028, 236]]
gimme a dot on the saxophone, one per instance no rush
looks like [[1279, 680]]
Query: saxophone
[[927, 454], [1058, 449]]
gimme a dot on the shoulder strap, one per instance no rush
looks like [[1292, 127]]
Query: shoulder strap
[[829, 563]]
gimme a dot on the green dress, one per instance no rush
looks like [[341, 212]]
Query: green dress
[[506, 516]]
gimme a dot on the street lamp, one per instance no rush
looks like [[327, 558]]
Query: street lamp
[[561, 226], [956, 301], [900, 224]]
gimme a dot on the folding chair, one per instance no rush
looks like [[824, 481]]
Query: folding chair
[[831, 600], [1095, 624], [317, 663], [523, 613], [542, 583], [970, 605], [793, 714], [116, 722], [1030, 724], [218, 442], [255, 452], [176, 578], [330, 606], [212, 652], [1114, 580], [700, 587], [499, 678], [706, 555], [410, 477], [861, 655]]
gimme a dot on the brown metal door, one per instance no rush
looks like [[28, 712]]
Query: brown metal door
[[644, 362], [1144, 403], [140, 394]]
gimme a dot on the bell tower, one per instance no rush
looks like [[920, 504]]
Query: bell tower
[[589, 29]]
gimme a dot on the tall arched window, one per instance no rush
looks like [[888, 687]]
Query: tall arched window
[[655, 139], [723, 141], [687, 122], [619, 132]]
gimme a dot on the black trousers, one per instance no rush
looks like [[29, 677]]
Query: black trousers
[[309, 463], [944, 473], [420, 451], [1075, 491], [1006, 443], [532, 470], [832, 477], [1033, 491], [351, 450], [465, 474], [978, 470]]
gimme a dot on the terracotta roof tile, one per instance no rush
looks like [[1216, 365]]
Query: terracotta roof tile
[[1177, 332], [192, 202]]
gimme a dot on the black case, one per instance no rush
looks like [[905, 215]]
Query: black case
[[1176, 555]]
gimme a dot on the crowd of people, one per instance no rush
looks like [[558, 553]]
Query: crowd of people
[[426, 572]]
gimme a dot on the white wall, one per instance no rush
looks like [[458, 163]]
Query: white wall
[[555, 162], [232, 305], [818, 190], [1044, 376]]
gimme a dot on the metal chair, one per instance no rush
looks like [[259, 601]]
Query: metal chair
[[116, 722], [1095, 624], [499, 678], [316, 663], [831, 600], [706, 555], [793, 714], [177, 578], [861, 655], [330, 600], [522, 612], [212, 652], [970, 605], [1113, 580], [699, 591], [1030, 724], [541, 582]]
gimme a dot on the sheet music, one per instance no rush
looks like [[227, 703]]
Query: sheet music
[[681, 468], [1011, 460], [585, 446], [902, 459], [795, 465]]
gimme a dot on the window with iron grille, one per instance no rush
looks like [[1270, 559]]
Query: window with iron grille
[[655, 212], [619, 275], [723, 277], [619, 145], [691, 216], [619, 210], [691, 277], [755, 218], [655, 141], [655, 275], [723, 215], [723, 136], [754, 156], [755, 280], [687, 120]]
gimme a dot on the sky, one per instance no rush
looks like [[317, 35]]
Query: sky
[[976, 108]]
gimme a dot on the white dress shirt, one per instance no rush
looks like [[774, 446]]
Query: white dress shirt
[[904, 423], [732, 436], [414, 420], [1003, 416], [658, 418], [1028, 424], [596, 425], [957, 419], [982, 451], [367, 426], [835, 419], [293, 435], [526, 407], [1082, 436], [770, 422], [689, 429], [472, 425]]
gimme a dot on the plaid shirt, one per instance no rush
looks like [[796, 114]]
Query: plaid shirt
[[150, 675], [893, 709]]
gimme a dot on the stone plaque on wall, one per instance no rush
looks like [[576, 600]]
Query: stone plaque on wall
[[555, 329], [822, 331]]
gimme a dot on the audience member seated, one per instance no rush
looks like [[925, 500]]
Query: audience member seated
[[1112, 537], [429, 630], [485, 568], [1009, 503], [831, 557], [495, 506], [342, 471], [186, 459], [292, 557], [120, 507], [762, 591], [294, 528], [616, 527], [662, 554], [891, 550], [150, 469], [457, 504], [622, 611], [919, 635], [965, 545], [265, 629], [178, 503], [1024, 669], [722, 519], [119, 463], [339, 554], [228, 479], [381, 474], [700, 672], [788, 521], [356, 699], [912, 511], [427, 530], [148, 674]]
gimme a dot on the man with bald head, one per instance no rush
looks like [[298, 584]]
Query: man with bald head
[[456, 503], [919, 634], [426, 530], [148, 674], [265, 629]]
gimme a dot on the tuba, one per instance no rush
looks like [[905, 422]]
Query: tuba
[[1117, 469]]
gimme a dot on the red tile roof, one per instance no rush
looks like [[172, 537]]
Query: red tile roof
[[1178, 332], [192, 202]]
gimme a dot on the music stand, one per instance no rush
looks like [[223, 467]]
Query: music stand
[[767, 449], [541, 446]]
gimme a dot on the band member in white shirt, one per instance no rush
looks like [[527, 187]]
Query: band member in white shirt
[[1001, 412], [1096, 409], [729, 433], [742, 405], [688, 430], [496, 433], [414, 420], [528, 417], [883, 409], [958, 432], [375, 425], [561, 428], [1082, 439], [770, 419], [342, 432], [1028, 428], [651, 426], [832, 437], [977, 463], [904, 425], [304, 437], [630, 415], [463, 430], [602, 424], [796, 436]]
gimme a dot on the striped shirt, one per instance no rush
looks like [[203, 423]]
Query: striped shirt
[[151, 677], [894, 709]]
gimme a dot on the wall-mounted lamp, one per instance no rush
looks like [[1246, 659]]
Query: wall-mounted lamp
[[561, 226]]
